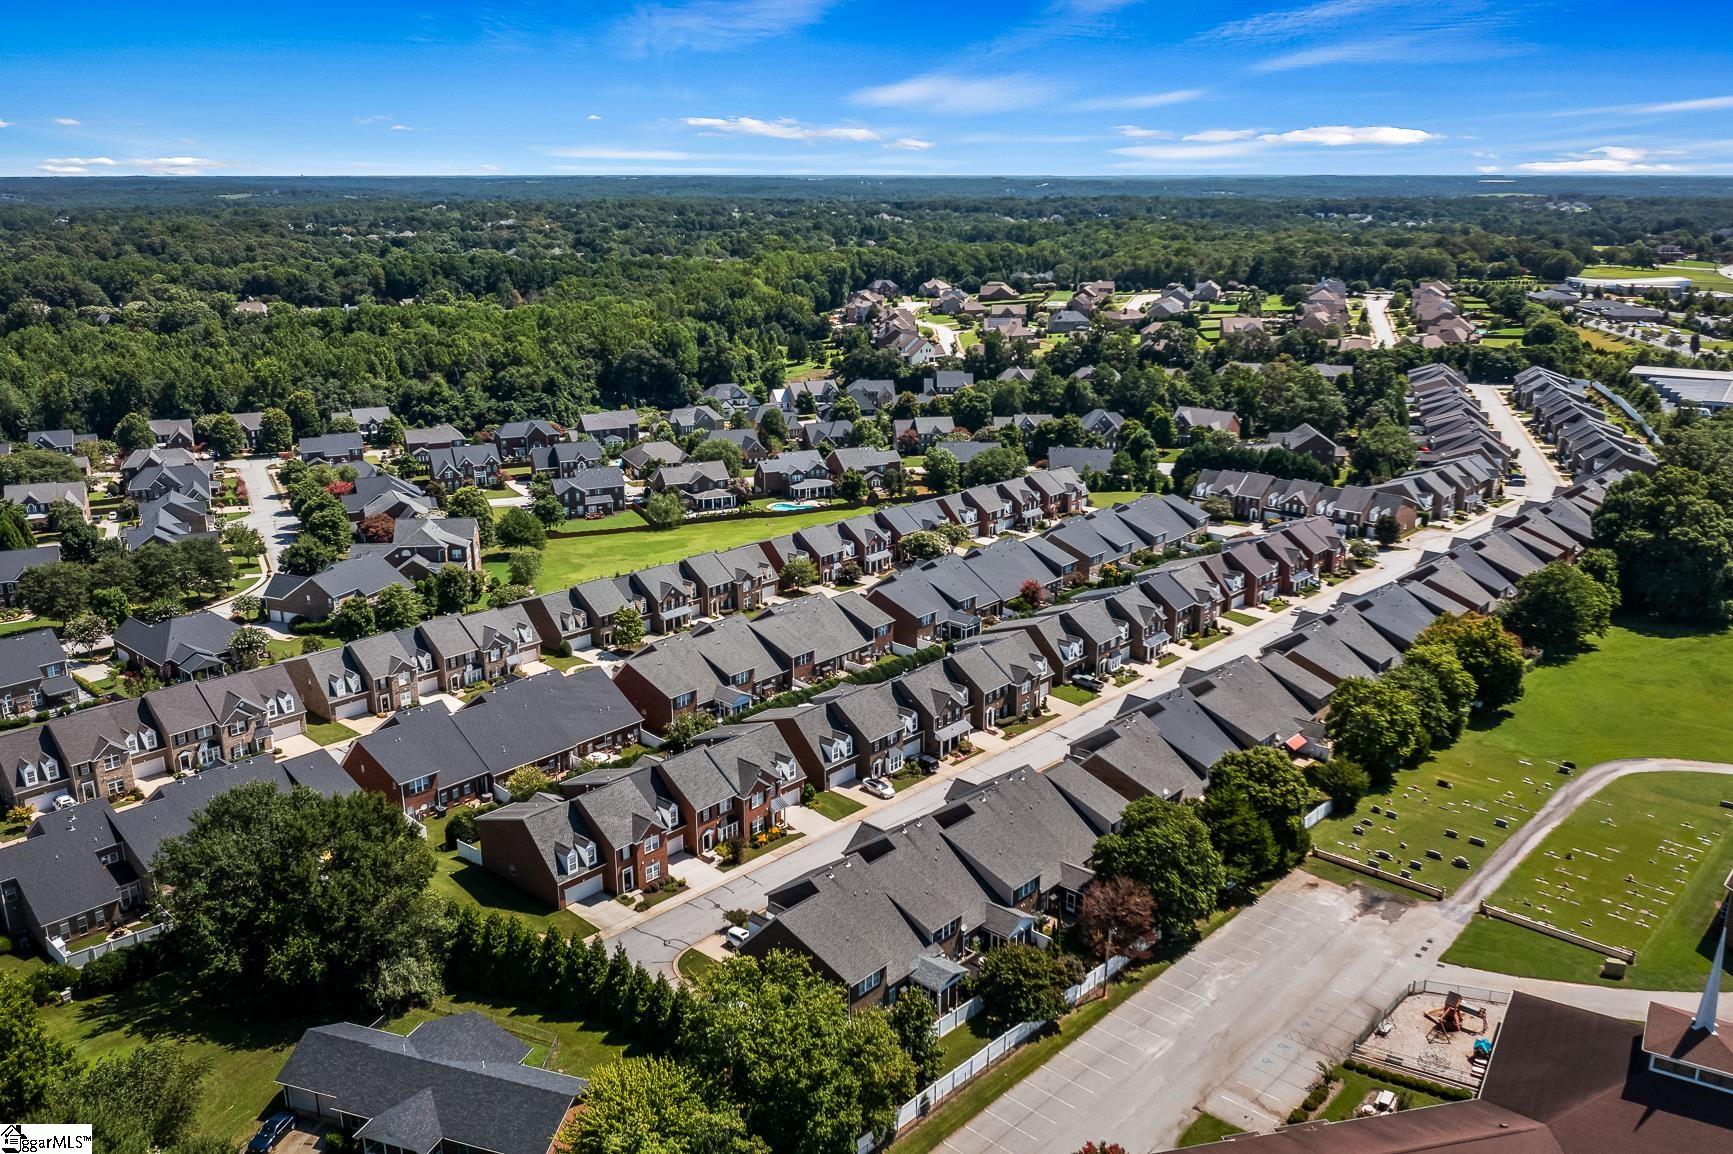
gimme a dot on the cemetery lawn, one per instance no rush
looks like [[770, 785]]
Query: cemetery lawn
[[1665, 830], [1643, 691]]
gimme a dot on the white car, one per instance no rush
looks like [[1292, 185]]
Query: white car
[[879, 787], [735, 936]]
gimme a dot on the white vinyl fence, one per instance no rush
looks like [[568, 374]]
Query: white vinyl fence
[[948, 1082], [469, 853], [56, 949]]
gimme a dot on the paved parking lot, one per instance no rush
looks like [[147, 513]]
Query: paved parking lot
[[1240, 1023]]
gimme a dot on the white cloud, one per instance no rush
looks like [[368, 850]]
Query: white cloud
[[75, 165], [62, 169], [1606, 159], [66, 122], [781, 129], [620, 153], [1220, 135], [1705, 104], [1295, 22], [593, 116], [910, 144], [973, 94], [1336, 135], [1147, 100], [1486, 169], [401, 128], [1227, 143], [5, 124], [375, 118], [714, 25], [1137, 133], [176, 165]]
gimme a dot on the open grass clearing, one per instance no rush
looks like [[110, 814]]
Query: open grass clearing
[[1239, 618], [1651, 692], [244, 1056], [1666, 832], [584, 556], [1700, 276], [694, 963], [963, 1043]]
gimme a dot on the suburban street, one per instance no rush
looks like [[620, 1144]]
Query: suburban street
[[1378, 316], [267, 512], [659, 939], [1543, 476]]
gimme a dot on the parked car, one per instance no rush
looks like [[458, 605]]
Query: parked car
[[735, 936], [879, 787], [1087, 681], [271, 1131]]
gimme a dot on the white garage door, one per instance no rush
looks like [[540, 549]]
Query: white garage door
[[587, 888], [356, 708], [844, 776]]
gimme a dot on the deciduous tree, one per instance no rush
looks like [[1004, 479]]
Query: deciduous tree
[[1166, 848]]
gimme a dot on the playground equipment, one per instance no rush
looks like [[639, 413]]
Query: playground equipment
[[1455, 1017]]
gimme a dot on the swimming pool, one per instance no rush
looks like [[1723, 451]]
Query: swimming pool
[[791, 506]]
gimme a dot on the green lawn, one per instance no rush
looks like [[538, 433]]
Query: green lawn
[[330, 732], [1239, 618], [1668, 832], [244, 1056], [760, 851], [694, 964], [457, 880], [563, 664], [835, 806], [584, 556], [557, 1042], [1654, 692], [23, 625], [1207, 1128], [1348, 878], [1699, 276], [1108, 498], [1073, 694], [1355, 1086], [962, 1043]]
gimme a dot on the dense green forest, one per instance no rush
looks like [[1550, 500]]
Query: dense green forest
[[477, 302]]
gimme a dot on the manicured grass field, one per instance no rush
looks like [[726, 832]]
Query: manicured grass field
[[1073, 694], [1205, 1129], [557, 1042], [571, 560], [244, 1057], [1700, 276], [1239, 618], [23, 625], [330, 732], [1653, 692], [1667, 832], [963, 1043], [835, 806], [1606, 342], [563, 664]]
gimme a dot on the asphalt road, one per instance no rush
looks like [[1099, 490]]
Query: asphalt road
[[1542, 476], [268, 512], [1378, 317]]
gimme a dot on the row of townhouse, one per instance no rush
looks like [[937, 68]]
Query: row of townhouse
[[102, 751], [1567, 417], [949, 598], [425, 757], [614, 831], [1448, 423], [1166, 746], [732, 664], [34, 674], [87, 870], [807, 474], [914, 904], [391, 671]]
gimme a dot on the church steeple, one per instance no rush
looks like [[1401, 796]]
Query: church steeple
[[1706, 1009]]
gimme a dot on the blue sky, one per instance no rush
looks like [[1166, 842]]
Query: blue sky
[[1121, 87]]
